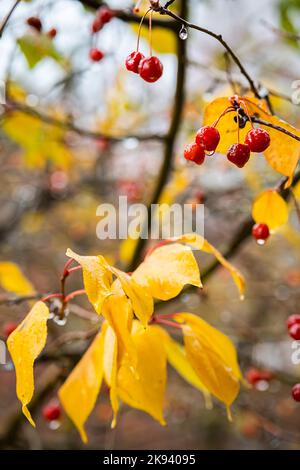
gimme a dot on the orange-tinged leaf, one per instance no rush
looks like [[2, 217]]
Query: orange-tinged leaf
[[271, 209], [177, 357], [167, 270], [25, 344], [142, 385], [13, 280], [110, 368], [212, 356], [142, 302], [79, 393], [97, 278], [202, 244]]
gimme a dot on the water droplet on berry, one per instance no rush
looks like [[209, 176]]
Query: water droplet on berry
[[262, 385], [183, 33], [260, 242]]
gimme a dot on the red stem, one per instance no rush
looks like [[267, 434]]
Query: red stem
[[73, 294]]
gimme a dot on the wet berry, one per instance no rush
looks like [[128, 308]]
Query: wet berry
[[51, 412], [150, 69], [258, 140], [296, 392], [238, 154], [194, 153], [208, 137], [260, 232], [96, 55], [133, 60], [294, 331], [292, 320]]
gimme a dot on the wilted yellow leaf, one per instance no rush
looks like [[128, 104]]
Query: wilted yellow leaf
[[97, 278], [79, 393], [177, 357], [25, 344], [167, 270], [271, 209], [110, 368], [202, 244], [141, 300], [212, 356], [117, 310], [13, 280], [142, 385]]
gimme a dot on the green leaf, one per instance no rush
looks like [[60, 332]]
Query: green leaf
[[36, 47]]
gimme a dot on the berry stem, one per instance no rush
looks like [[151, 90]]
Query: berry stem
[[73, 294], [229, 109], [140, 28], [150, 32], [51, 296]]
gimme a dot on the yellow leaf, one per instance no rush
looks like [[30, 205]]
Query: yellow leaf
[[284, 151], [142, 302], [13, 280], [118, 312], [97, 278], [79, 393], [212, 356], [25, 344], [167, 270], [142, 385], [227, 126], [202, 244], [178, 359], [110, 368], [271, 209]]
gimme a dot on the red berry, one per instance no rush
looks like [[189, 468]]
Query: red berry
[[292, 320], [296, 392], [200, 196], [52, 33], [9, 327], [260, 231], [239, 154], [258, 140], [51, 412], [254, 375], [133, 60], [208, 137], [195, 153], [150, 69], [104, 14], [96, 55], [35, 23], [96, 25], [294, 331]]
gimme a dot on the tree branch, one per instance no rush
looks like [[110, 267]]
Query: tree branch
[[6, 19]]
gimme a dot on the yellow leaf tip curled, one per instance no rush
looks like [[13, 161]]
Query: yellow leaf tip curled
[[26, 413], [229, 414]]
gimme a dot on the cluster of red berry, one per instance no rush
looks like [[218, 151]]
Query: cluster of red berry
[[103, 16], [293, 325], [150, 68], [35, 23], [208, 138]]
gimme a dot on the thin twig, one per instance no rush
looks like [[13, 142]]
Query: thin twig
[[274, 126], [6, 19]]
